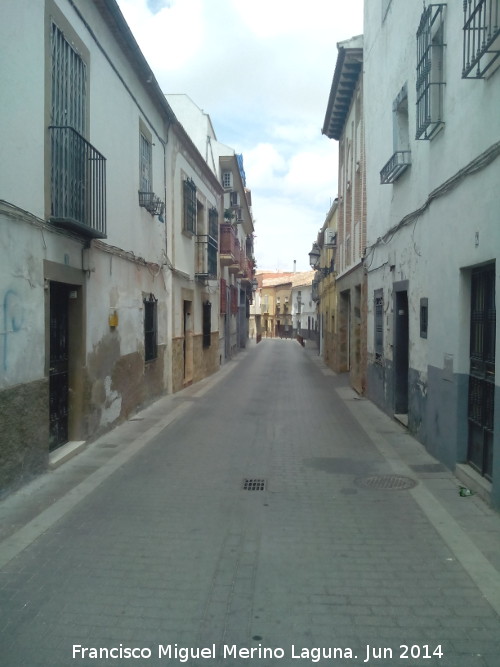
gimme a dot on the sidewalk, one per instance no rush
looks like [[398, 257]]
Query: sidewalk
[[354, 539]]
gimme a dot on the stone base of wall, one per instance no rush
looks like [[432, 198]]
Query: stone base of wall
[[24, 437], [177, 364], [117, 386], [205, 360]]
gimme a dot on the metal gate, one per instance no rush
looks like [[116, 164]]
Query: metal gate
[[59, 358], [482, 370]]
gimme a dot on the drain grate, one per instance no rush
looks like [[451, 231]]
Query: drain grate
[[253, 484], [391, 482]]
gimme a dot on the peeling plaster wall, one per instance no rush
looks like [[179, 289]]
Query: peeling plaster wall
[[118, 379]]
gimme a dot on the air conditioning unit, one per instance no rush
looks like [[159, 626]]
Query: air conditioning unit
[[330, 238]]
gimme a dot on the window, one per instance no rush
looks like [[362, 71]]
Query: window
[[424, 317], [213, 241], [190, 207], [150, 328], [401, 157], [227, 179], [223, 296], [379, 324], [401, 125], [430, 71], [145, 148], [481, 37], [69, 84], [234, 299], [207, 323]]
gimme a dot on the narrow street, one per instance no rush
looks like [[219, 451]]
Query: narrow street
[[352, 546]]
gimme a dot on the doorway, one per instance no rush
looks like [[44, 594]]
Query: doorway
[[482, 371], [59, 365], [187, 342], [401, 353]]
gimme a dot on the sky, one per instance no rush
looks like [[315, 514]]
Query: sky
[[262, 70]]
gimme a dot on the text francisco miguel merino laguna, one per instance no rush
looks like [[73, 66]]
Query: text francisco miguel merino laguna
[[228, 652]]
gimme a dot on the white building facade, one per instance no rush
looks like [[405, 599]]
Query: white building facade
[[108, 298], [236, 228], [432, 131]]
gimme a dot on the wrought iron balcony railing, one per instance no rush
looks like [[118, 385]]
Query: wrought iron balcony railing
[[228, 240], [151, 203], [481, 37], [78, 183], [398, 163]]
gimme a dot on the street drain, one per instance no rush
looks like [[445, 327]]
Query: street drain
[[254, 484], [392, 482]]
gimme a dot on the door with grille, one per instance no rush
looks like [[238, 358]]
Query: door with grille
[[482, 370], [59, 360]]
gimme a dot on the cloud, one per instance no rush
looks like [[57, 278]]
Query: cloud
[[154, 6]]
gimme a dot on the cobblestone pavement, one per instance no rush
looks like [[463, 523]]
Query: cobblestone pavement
[[149, 541]]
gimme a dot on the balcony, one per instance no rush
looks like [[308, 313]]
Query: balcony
[[229, 246], [78, 184], [206, 257], [395, 167], [235, 266]]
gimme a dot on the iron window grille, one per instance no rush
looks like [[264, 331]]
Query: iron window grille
[[481, 37], [379, 324], [150, 328], [430, 71], [213, 223], [207, 324], [145, 157], [424, 317], [69, 84], [190, 207]]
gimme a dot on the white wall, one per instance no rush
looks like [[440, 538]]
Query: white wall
[[431, 251]]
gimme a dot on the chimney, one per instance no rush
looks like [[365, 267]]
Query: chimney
[[294, 265]]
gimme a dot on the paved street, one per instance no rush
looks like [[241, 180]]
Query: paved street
[[148, 540]]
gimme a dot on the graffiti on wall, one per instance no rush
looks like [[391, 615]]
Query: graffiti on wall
[[12, 322]]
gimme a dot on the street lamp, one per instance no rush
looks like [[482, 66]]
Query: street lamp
[[314, 255], [314, 261]]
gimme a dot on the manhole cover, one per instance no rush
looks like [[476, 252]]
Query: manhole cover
[[393, 482], [253, 484]]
